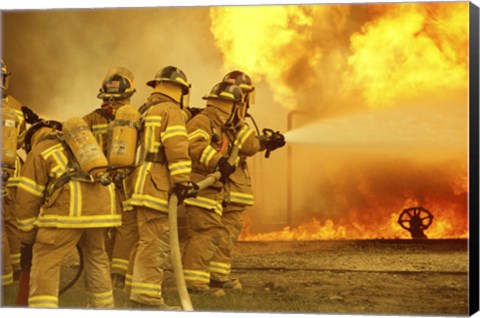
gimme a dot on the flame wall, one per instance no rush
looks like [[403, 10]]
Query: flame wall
[[342, 62]]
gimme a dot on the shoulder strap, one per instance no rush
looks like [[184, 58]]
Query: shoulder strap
[[73, 170], [104, 114]]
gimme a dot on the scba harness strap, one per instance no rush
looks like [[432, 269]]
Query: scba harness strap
[[72, 171]]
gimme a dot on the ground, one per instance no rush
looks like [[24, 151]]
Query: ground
[[376, 277], [399, 277]]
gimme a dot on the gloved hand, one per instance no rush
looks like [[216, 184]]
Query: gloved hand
[[185, 190], [225, 168], [277, 140], [26, 254], [274, 140], [194, 110]]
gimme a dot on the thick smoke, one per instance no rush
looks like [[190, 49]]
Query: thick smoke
[[58, 58]]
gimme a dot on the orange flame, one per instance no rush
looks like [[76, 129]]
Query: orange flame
[[411, 50], [333, 58], [339, 53]]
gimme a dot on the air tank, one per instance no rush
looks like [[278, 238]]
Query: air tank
[[85, 148], [10, 124], [124, 134]]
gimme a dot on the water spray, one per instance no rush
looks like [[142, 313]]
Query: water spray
[[419, 127]]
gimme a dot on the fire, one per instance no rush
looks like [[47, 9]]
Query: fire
[[271, 42], [352, 229], [341, 59], [411, 50], [381, 53]]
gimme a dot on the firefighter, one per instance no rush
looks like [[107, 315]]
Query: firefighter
[[10, 178], [238, 193], [212, 134], [116, 90], [74, 210], [164, 167]]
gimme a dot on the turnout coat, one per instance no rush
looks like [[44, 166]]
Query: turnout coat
[[164, 159], [75, 204]]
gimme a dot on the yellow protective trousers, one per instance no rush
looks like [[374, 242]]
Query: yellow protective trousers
[[148, 257], [125, 238], [204, 231], [112, 233], [7, 274], [221, 263], [52, 245], [126, 235], [11, 229]]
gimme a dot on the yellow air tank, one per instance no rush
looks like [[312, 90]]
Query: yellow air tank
[[9, 136], [85, 148], [123, 144]]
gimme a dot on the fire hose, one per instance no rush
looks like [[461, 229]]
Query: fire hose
[[174, 242]]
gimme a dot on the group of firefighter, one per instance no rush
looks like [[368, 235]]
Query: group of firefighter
[[102, 184]]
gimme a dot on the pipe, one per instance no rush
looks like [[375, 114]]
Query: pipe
[[174, 241]]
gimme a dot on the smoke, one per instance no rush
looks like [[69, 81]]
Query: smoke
[[58, 58]]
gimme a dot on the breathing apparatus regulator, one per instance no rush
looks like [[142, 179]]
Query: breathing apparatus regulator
[[175, 76]]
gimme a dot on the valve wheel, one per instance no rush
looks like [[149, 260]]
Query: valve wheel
[[415, 218]]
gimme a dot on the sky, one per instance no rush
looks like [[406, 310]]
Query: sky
[[372, 98]]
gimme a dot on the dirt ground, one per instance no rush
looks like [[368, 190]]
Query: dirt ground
[[378, 277], [415, 277]]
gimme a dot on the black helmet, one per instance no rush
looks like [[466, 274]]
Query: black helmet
[[4, 77], [172, 75], [118, 84], [225, 91], [240, 79]]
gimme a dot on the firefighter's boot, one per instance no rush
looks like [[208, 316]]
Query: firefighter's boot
[[230, 284]]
